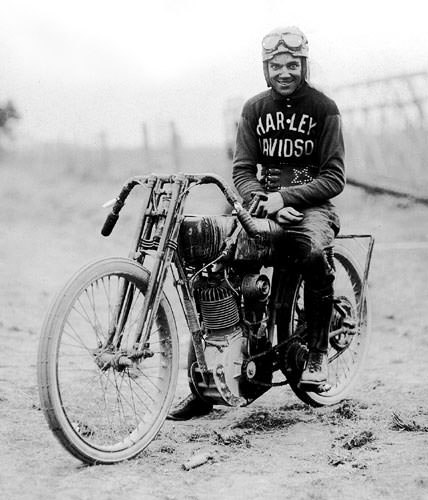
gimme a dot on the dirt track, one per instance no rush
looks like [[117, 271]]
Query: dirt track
[[277, 448]]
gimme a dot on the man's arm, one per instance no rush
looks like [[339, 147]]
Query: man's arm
[[331, 178], [245, 159]]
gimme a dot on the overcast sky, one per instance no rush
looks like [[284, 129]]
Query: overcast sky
[[77, 68]]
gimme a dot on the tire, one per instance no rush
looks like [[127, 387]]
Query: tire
[[347, 352], [102, 412]]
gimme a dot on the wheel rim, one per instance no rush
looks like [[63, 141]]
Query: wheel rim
[[111, 407], [346, 350]]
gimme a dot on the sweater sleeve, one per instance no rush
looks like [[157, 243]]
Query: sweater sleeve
[[246, 158], [331, 178]]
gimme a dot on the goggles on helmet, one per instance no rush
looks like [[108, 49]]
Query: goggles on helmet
[[295, 43]]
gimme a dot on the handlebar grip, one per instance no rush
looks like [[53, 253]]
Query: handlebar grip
[[247, 222], [109, 224]]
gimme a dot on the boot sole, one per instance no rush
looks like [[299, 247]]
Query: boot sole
[[188, 416]]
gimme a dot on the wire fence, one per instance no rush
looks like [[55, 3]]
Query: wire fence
[[386, 133], [385, 130]]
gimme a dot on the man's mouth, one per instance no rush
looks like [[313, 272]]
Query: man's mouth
[[285, 83]]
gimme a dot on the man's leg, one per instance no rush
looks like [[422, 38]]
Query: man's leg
[[318, 312], [311, 239]]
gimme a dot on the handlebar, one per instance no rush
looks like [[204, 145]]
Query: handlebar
[[243, 215], [109, 224], [113, 216]]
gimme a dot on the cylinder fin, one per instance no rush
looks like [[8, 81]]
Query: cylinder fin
[[219, 308]]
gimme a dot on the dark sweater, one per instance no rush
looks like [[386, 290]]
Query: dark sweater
[[299, 134]]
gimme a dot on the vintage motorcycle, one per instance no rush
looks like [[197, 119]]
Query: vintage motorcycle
[[108, 355]]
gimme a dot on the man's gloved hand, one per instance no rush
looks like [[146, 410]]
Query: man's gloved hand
[[272, 179], [288, 215], [270, 206]]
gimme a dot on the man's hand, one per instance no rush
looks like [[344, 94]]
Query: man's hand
[[270, 206], [288, 215]]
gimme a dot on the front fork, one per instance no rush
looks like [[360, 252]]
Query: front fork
[[168, 218]]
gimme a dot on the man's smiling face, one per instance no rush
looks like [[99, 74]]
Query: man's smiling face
[[285, 73]]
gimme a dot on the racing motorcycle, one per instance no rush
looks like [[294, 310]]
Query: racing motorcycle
[[109, 350]]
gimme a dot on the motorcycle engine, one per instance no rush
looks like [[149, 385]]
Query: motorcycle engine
[[226, 341]]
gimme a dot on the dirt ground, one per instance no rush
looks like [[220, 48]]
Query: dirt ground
[[372, 446]]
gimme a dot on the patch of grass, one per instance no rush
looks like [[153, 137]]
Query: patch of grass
[[166, 448], [349, 410], [337, 459], [262, 421], [224, 437], [297, 407], [400, 423], [346, 447], [231, 438], [340, 458], [358, 440], [198, 435]]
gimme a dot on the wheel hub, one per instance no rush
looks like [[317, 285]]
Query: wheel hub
[[119, 360]]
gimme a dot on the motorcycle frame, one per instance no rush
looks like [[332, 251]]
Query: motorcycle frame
[[165, 257]]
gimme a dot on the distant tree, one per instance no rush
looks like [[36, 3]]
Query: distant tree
[[8, 112]]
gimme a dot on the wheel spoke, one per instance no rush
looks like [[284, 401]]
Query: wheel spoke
[[348, 334], [112, 408]]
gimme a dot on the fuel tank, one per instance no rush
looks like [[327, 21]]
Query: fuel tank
[[202, 238]]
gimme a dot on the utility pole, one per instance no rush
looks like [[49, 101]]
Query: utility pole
[[175, 146], [104, 151], [146, 145]]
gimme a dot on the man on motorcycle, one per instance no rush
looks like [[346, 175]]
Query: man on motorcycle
[[293, 133]]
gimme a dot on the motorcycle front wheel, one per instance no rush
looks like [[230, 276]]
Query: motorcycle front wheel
[[351, 320], [103, 405]]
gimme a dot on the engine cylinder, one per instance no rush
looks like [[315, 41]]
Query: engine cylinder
[[218, 308]]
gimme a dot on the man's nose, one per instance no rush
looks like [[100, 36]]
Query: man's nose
[[285, 73]]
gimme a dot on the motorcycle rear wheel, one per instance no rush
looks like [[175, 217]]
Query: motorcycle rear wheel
[[103, 410], [347, 352]]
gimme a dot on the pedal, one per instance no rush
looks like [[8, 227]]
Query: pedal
[[323, 388], [319, 389]]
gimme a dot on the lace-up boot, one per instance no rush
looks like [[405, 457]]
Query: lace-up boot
[[316, 371], [191, 406]]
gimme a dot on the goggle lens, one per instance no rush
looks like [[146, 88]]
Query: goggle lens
[[290, 40]]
